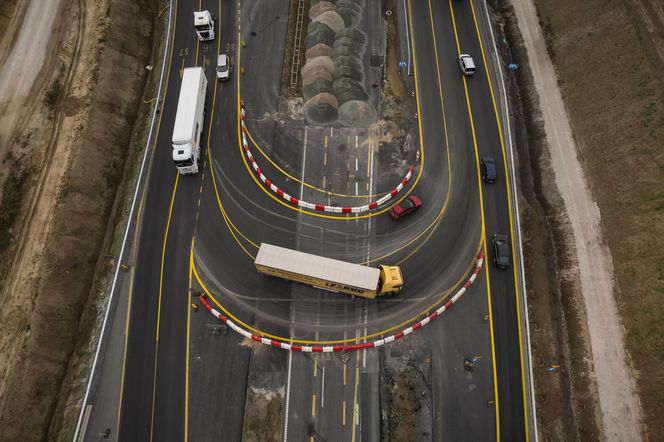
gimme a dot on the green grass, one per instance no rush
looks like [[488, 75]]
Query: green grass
[[12, 194]]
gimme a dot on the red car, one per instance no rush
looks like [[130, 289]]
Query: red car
[[407, 206]]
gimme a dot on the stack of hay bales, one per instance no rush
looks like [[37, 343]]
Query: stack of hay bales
[[320, 104], [348, 85], [333, 75]]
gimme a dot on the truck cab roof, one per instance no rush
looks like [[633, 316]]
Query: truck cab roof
[[202, 18]]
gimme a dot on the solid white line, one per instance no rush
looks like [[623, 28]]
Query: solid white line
[[129, 224], [290, 364], [304, 160], [405, 14], [364, 351], [322, 389]]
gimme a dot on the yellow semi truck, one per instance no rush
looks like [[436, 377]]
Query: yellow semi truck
[[328, 274]]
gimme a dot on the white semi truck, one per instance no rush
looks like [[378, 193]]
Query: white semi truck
[[204, 25], [189, 118]]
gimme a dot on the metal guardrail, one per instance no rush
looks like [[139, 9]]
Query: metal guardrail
[[297, 44], [523, 304]]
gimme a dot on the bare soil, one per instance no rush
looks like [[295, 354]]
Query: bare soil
[[608, 56], [11, 15], [78, 144], [565, 391], [263, 415]]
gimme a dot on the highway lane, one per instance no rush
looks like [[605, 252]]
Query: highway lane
[[153, 391], [223, 256], [457, 32], [237, 273]]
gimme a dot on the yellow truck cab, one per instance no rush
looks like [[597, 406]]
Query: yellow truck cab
[[391, 279]]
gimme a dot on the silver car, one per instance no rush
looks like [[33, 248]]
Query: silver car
[[223, 67], [466, 64]]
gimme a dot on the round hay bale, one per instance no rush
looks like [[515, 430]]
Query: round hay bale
[[331, 19], [317, 68], [321, 109], [347, 51], [350, 12], [356, 113], [350, 61], [319, 50], [356, 35], [320, 7], [348, 72], [319, 33], [346, 89], [317, 87]]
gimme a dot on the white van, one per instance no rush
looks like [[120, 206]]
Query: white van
[[223, 67]]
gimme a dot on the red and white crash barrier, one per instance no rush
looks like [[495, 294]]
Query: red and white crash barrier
[[311, 206], [348, 347]]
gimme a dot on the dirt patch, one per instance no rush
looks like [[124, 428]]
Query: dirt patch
[[406, 393], [607, 60], [262, 415], [565, 392], [11, 16], [264, 404], [105, 47]]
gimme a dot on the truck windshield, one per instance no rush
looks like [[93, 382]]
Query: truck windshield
[[184, 163]]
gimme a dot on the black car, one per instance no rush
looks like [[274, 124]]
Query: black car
[[501, 250], [488, 166]]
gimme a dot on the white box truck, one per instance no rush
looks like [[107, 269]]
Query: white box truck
[[189, 118], [204, 25]]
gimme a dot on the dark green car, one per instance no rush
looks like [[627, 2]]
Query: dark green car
[[501, 250]]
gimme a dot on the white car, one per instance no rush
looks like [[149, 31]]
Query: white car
[[466, 64], [223, 67]]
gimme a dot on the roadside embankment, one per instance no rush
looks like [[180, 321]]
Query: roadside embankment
[[596, 162], [104, 51]]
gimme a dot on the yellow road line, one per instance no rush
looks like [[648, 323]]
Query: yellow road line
[[380, 258], [338, 341], [161, 284], [419, 122], [186, 365], [479, 186], [509, 203], [344, 374], [343, 412], [315, 365], [290, 206], [131, 284], [313, 405]]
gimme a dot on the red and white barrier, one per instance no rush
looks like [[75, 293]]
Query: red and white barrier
[[311, 206], [348, 347]]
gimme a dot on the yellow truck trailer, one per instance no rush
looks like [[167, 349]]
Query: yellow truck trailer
[[328, 274]]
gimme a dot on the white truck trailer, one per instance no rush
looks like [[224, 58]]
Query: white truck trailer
[[328, 274], [204, 25], [189, 121]]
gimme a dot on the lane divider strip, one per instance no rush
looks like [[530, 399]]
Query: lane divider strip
[[348, 347], [311, 206]]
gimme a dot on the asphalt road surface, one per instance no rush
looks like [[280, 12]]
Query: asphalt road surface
[[183, 377]]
